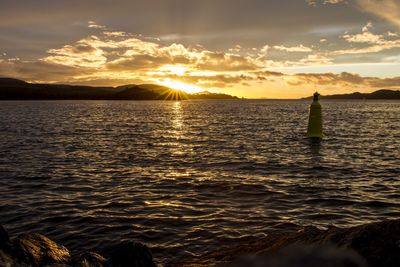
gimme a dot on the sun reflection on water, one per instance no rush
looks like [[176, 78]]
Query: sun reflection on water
[[177, 117], [178, 133]]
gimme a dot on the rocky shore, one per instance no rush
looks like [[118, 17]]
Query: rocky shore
[[373, 245], [38, 250]]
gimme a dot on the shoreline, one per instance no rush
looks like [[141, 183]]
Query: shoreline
[[375, 245]]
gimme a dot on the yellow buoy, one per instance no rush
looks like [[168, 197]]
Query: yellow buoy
[[315, 120]]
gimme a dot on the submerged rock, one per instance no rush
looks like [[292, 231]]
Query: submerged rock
[[38, 250], [90, 259], [131, 254]]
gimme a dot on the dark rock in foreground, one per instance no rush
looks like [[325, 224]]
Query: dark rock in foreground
[[37, 250], [130, 254], [4, 239], [304, 256], [377, 243]]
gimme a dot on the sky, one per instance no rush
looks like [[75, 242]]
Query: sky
[[247, 48]]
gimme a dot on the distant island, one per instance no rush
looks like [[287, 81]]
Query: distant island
[[14, 89], [380, 94]]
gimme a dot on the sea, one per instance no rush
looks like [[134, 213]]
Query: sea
[[190, 177]]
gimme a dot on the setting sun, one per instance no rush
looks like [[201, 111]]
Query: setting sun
[[175, 70], [188, 88]]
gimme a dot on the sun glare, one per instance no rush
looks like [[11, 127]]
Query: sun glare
[[188, 88], [177, 70]]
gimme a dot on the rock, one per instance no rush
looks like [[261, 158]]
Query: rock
[[5, 248], [38, 250], [378, 243], [90, 259], [7, 260], [311, 231], [131, 254], [4, 239], [304, 256], [3, 235]]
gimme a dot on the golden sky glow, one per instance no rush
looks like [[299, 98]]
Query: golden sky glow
[[332, 46]]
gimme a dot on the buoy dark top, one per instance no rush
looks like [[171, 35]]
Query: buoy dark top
[[316, 96]]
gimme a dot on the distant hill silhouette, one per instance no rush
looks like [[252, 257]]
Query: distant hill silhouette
[[14, 89], [209, 95], [380, 94]]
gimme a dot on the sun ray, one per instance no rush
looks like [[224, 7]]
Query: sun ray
[[187, 88]]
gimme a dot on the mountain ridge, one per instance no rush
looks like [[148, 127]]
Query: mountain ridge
[[379, 94], [16, 89]]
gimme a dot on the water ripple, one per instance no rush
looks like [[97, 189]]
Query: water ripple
[[188, 177]]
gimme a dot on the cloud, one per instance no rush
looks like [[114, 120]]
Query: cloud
[[219, 61], [219, 79], [82, 54], [115, 33], [366, 50], [40, 71], [236, 49], [94, 25], [386, 9], [121, 56], [376, 42], [300, 48], [309, 60], [345, 79], [332, 2], [365, 37], [270, 74], [316, 60]]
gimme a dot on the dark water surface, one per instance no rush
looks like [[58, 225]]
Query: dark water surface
[[188, 177]]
